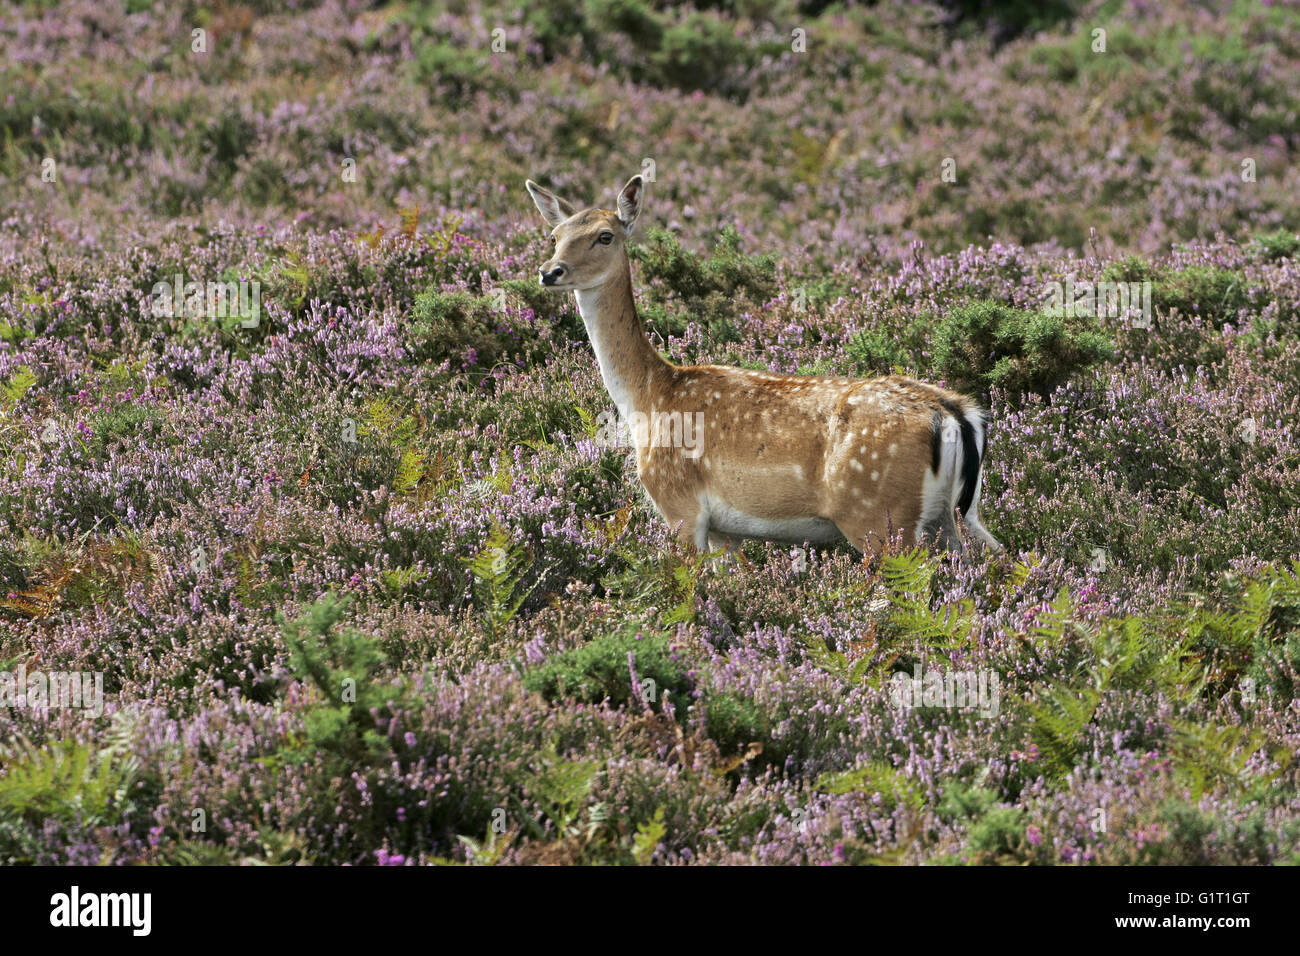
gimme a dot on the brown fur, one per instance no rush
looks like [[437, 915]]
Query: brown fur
[[772, 449]]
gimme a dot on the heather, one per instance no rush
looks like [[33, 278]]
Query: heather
[[367, 581]]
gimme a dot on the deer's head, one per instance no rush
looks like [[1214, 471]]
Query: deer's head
[[587, 244]]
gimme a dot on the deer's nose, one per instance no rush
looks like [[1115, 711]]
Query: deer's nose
[[552, 275]]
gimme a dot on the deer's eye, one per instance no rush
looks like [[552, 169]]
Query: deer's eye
[[605, 238], [552, 240]]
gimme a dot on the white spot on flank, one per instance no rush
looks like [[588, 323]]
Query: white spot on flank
[[875, 476], [855, 465]]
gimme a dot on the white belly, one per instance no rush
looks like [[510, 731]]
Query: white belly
[[724, 519]]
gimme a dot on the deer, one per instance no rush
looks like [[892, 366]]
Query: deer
[[780, 458]]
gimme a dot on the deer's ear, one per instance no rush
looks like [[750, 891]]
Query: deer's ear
[[553, 209], [630, 201]]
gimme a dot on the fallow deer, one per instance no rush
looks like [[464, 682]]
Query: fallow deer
[[782, 458]]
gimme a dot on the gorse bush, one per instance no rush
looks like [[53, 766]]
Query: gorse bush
[[602, 670], [343, 668], [987, 345], [680, 286], [463, 329], [1217, 295], [1278, 245], [881, 351]]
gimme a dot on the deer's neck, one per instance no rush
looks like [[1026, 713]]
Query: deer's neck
[[630, 366]]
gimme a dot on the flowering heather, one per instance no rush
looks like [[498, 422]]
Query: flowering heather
[[366, 582]]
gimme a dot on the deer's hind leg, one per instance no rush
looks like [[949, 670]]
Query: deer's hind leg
[[942, 531]]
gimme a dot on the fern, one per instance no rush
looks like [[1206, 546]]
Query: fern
[[12, 333], [410, 471], [293, 268], [388, 422], [442, 239], [1051, 626], [908, 574], [837, 663], [196, 853], [1059, 720], [878, 777], [685, 583], [66, 780], [392, 427], [499, 569], [1208, 757], [649, 834], [909, 578], [18, 384], [561, 790], [590, 427], [1130, 655], [399, 579], [489, 852]]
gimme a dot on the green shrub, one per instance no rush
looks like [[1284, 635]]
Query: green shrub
[[1130, 269], [70, 787], [629, 17], [1010, 18], [599, 670], [227, 139], [733, 723], [1277, 245], [988, 345], [459, 327], [120, 422], [457, 72], [963, 801], [999, 837], [1274, 601], [1189, 831], [878, 351], [702, 52], [342, 665], [1215, 294], [704, 290], [556, 310]]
